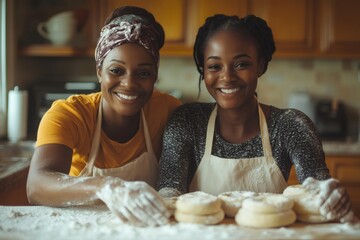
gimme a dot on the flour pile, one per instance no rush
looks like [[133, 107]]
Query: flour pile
[[97, 222]]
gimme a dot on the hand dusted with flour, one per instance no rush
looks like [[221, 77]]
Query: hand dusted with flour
[[333, 200]]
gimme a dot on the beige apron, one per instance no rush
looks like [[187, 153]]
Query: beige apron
[[216, 175], [143, 168]]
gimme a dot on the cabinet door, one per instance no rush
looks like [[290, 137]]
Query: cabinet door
[[292, 23], [170, 14], [340, 22], [201, 9]]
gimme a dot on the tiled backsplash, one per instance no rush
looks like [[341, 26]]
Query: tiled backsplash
[[332, 79]]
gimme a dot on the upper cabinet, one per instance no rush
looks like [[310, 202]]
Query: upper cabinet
[[293, 25], [301, 28], [340, 23]]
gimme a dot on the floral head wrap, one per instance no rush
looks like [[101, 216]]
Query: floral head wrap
[[127, 29]]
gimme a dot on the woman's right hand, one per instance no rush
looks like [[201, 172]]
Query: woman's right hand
[[135, 203]]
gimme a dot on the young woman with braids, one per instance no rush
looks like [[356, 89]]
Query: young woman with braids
[[238, 143], [105, 146]]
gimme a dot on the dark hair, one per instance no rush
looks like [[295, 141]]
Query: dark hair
[[257, 27], [144, 14]]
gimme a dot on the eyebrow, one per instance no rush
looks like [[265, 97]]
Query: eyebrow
[[236, 57], [122, 62]]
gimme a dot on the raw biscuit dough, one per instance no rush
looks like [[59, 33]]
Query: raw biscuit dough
[[268, 203], [266, 211], [232, 201], [210, 219], [247, 218], [305, 204], [198, 203]]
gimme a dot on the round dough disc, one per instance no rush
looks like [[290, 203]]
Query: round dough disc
[[210, 219], [232, 201], [248, 218], [268, 203], [198, 203]]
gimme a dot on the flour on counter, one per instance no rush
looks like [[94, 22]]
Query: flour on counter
[[97, 222]]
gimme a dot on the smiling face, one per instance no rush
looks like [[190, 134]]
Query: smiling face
[[231, 68], [127, 77]]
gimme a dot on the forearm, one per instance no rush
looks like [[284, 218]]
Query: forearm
[[58, 189]]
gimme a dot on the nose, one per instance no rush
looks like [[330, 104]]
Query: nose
[[128, 80], [227, 74]]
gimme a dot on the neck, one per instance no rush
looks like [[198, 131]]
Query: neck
[[120, 128], [240, 124]]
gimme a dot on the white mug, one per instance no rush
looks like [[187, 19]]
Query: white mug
[[59, 29]]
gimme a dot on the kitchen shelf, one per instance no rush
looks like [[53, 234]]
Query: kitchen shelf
[[48, 50]]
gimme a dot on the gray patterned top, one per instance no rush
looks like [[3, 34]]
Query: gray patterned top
[[293, 139]]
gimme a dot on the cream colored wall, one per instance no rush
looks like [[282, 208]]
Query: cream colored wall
[[321, 78]]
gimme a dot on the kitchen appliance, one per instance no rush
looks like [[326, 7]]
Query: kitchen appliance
[[331, 121], [44, 94], [304, 102]]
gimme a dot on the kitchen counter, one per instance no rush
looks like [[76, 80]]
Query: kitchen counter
[[14, 168], [97, 222], [341, 148]]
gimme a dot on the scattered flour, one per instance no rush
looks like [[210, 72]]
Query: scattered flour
[[97, 222]]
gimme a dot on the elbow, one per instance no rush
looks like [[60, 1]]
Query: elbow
[[31, 192]]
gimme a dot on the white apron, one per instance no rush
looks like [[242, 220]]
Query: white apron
[[143, 168], [216, 175]]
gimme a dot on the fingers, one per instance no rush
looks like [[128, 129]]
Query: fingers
[[158, 203], [343, 205], [349, 217], [155, 208]]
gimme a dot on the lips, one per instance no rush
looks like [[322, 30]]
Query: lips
[[126, 96], [229, 90]]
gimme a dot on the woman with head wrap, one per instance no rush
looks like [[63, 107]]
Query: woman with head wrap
[[105, 145], [237, 143]]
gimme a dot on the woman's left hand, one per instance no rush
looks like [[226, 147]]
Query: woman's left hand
[[334, 200]]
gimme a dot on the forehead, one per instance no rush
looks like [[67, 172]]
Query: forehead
[[129, 52], [230, 42]]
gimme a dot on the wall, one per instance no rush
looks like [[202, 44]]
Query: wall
[[321, 78]]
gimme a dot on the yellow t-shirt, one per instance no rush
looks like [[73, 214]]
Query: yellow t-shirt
[[72, 122]]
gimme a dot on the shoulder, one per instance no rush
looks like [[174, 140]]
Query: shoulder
[[165, 98], [162, 102], [194, 110], [289, 115], [79, 106], [291, 122]]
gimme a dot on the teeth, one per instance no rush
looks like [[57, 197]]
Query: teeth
[[224, 90], [127, 97]]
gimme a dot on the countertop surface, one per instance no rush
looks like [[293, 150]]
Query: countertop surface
[[341, 148], [97, 222]]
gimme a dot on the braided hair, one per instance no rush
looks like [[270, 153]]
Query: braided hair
[[256, 27]]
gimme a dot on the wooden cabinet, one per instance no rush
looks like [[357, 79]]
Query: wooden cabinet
[[340, 22], [13, 189], [293, 25], [346, 169], [301, 28]]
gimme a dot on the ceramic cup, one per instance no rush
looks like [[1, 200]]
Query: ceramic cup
[[59, 29]]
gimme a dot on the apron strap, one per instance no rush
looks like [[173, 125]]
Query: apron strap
[[265, 138], [87, 171], [146, 134], [210, 133], [264, 133]]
